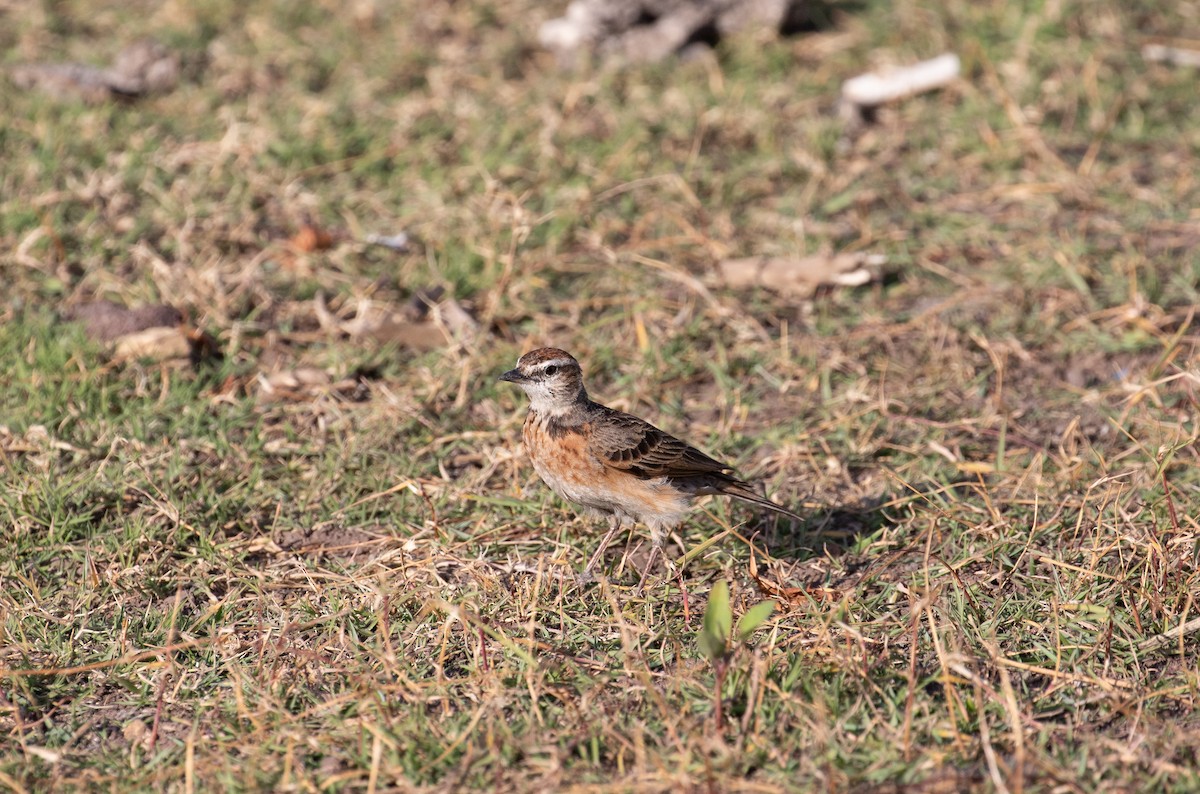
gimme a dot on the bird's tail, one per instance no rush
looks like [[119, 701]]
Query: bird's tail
[[740, 490]]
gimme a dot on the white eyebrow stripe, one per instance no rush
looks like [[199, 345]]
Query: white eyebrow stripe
[[553, 362]]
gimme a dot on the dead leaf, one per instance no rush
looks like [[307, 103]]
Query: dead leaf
[[292, 379], [262, 545], [800, 277], [419, 336], [792, 596], [311, 238], [63, 81], [144, 67], [428, 322], [106, 321], [153, 344], [154, 333], [302, 384]]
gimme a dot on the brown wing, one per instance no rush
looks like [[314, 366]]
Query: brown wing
[[626, 442]]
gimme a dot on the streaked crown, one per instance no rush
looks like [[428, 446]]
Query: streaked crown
[[551, 377], [547, 361]]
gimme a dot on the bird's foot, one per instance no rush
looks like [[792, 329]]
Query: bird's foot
[[655, 553]]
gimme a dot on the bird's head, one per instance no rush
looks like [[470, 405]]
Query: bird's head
[[551, 377]]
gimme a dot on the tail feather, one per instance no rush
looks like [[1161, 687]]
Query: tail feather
[[743, 491], [722, 484]]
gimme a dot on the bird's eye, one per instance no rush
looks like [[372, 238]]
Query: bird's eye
[[551, 370]]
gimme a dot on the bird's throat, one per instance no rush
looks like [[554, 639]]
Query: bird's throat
[[562, 419]]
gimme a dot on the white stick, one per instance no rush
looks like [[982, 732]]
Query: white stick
[[1164, 53], [868, 90]]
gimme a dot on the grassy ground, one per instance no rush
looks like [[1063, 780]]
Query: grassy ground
[[203, 586]]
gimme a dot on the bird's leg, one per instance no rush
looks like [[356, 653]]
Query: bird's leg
[[657, 537], [614, 526]]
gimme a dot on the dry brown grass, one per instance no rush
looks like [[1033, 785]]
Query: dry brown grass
[[352, 579]]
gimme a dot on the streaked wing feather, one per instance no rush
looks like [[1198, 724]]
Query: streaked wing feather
[[625, 442]]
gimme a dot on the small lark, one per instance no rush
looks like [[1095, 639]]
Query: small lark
[[614, 464]]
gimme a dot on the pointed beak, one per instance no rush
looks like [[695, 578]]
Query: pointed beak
[[513, 376]]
